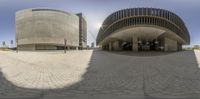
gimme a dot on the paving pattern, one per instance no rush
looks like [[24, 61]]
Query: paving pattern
[[92, 74]]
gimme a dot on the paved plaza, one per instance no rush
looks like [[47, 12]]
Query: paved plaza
[[99, 74]]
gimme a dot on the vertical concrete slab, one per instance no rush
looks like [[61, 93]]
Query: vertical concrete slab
[[26, 47], [68, 48], [135, 44], [116, 45], [179, 46], [110, 46], [170, 45]]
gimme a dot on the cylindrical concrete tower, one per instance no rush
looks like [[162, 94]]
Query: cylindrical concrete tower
[[46, 29]]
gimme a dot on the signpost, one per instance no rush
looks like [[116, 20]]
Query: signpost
[[65, 42]]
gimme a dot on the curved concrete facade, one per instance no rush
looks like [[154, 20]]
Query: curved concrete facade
[[46, 29], [143, 25]]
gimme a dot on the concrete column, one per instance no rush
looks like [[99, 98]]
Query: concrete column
[[170, 45], [76, 48], [68, 48], [107, 46], [116, 45], [135, 44], [110, 46], [179, 46]]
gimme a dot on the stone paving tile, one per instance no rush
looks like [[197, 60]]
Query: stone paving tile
[[97, 73]]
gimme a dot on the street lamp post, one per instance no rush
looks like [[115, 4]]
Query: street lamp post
[[65, 42], [17, 45]]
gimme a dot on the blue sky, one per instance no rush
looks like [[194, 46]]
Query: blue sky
[[96, 11]]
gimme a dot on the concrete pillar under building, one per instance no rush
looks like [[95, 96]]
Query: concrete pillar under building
[[170, 45], [107, 46], [68, 48], [135, 44], [110, 46], [179, 46], [104, 47], [116, 45], [76, 48]]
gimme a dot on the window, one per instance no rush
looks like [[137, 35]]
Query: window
[[122, 14], [161, 13], [132, 12], [117, 15], [136, 11], [152, 12], [149, 11]]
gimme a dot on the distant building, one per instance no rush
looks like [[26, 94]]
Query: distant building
[[82, 31], [140, 29], [49, 29], [4, 44], [196, 47], [92, 45]]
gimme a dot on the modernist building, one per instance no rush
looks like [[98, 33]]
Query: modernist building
[[140, 29], [40, 29], [82, 31]]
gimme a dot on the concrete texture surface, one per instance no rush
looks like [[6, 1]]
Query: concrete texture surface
[[47, 27], [126, 19], [99, 75]]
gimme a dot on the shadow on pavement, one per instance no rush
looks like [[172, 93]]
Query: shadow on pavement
[[114, 76]]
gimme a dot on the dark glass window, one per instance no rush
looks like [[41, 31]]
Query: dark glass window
[[136, 11]]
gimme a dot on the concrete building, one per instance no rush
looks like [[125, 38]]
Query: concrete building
[[196, 47], [82, 31], [49, 29], [92, 45], [143, 29]]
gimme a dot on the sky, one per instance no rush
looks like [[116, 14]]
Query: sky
[[96, 11]]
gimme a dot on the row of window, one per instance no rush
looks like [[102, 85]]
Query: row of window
[[143, 20], [55, 10], [145, 12], [82, 30]]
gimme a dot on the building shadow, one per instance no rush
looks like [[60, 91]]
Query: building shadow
[[11, 91], [115, 76]]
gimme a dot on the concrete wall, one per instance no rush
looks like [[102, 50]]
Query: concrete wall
[[47, 26], [135, 44], [170, 45], [26, 47], [116, 45], [41, 47]]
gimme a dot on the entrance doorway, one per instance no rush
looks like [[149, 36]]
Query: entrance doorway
[[149, 45], [143, 46], [127, 46]]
